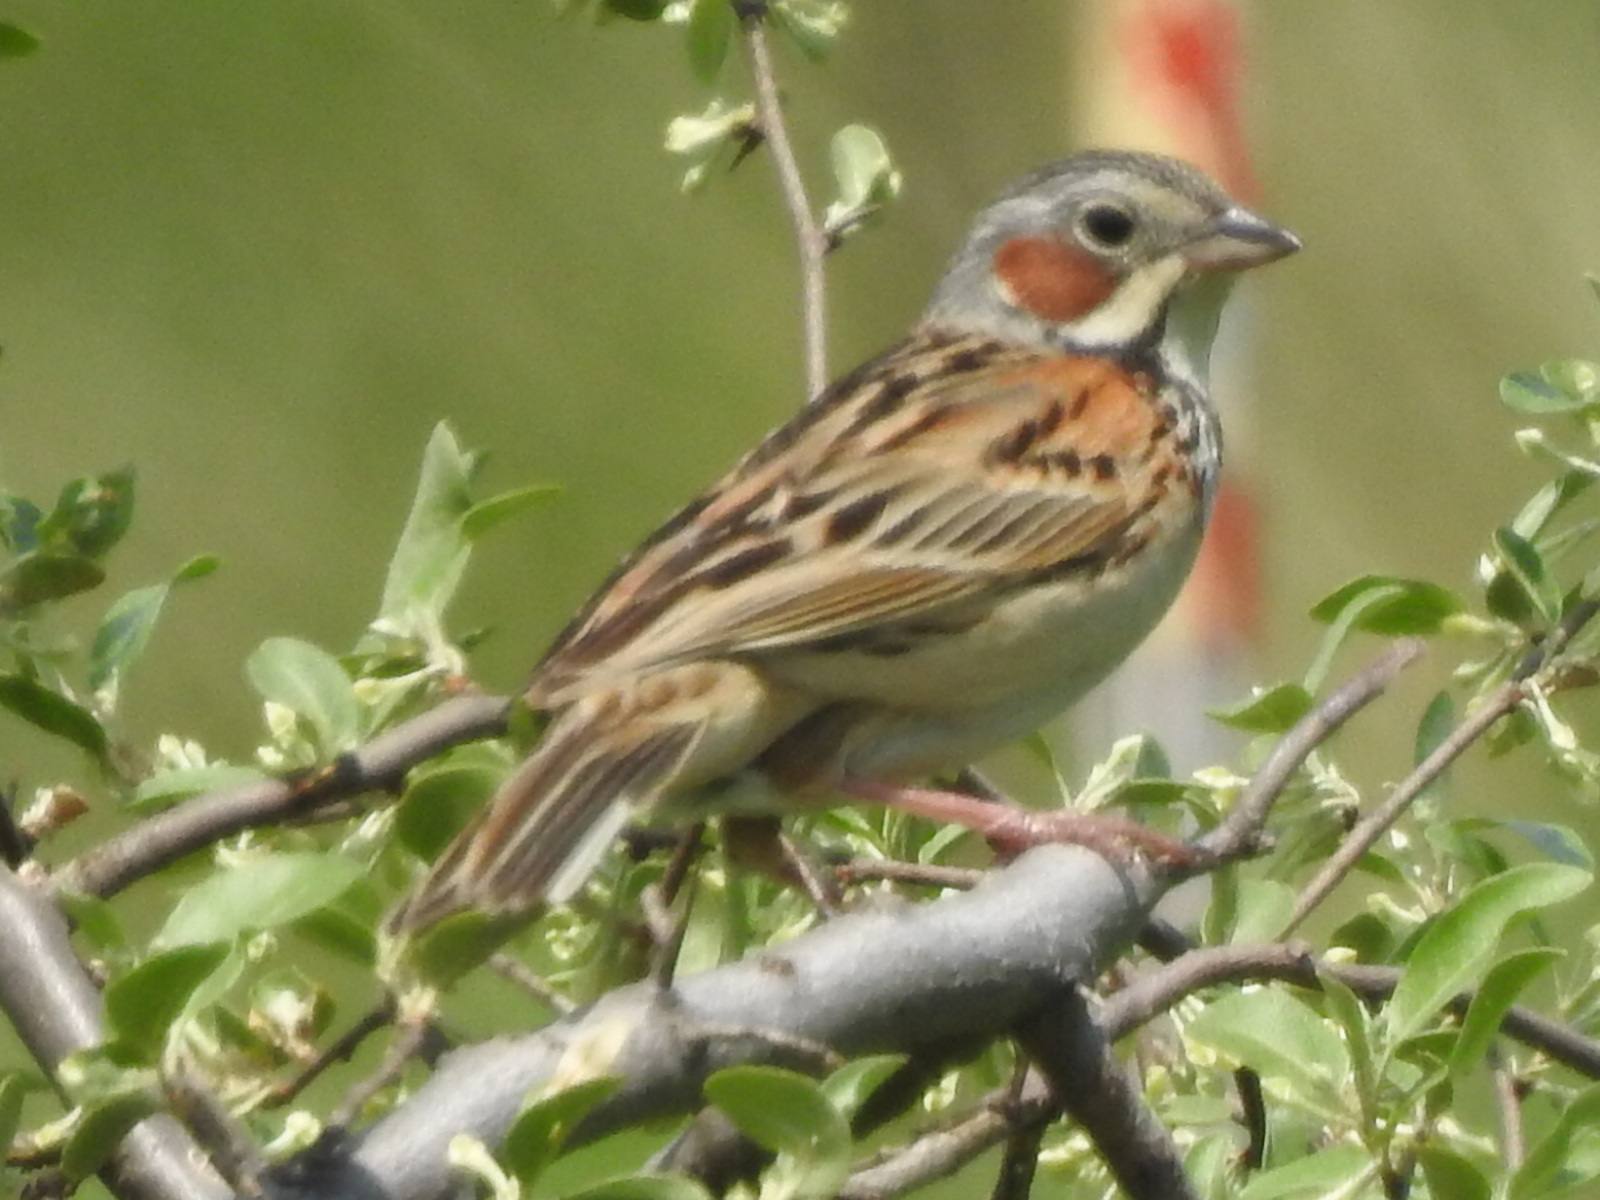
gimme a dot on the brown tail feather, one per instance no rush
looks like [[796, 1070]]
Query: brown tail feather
[[541, 836]]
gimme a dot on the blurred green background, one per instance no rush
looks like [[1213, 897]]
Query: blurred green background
[[258, 251]]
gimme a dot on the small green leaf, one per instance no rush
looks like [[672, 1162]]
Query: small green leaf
[[848, 1088], [1345, 1007], [124, 632], [788, 1114], [1265, 906], [643, 1187], [168, 787], [431, 554], [1273, 711], [91, 515], [865, 176], [1281, 1038], [1391, 607], [1438, 720], [1492, 999], [437, 803], [1335, 1171], [43, 575], [1549, 1168], [1525, 392], [636, 10], [13, 1088], [1526, 565], [1450, 1174], [540, 1132], [142, 1005], [709, 33], [309, 682], [261, 892], [1574, 377], [55, 714], [814, 25], [484, 516], [100, 1131], [1451, 951], [1558, 842], [14, 43]]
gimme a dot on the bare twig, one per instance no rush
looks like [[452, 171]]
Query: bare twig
[[516, 971], [340, 1050], [860, 870], [1366, 832], [809, 237], [107, 868], [1508, 1102], [1238, 833]]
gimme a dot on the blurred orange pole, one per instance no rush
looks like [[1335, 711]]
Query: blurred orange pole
[[1166, 75]]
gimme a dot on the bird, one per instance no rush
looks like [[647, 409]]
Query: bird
[[940, 552]]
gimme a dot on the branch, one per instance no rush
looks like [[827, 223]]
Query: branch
[[55, 1009], [888, 979], [380, 765], [1238, 833], [808, 235]]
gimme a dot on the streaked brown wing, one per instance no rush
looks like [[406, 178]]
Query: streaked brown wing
[[944, 471]]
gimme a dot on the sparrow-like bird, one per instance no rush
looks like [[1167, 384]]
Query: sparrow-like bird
[[951, 545]]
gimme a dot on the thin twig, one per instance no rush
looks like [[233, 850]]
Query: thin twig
[[514, 970], [1366, 832], [809, 237], [1238, 833], [861, 870], [1508, 1101], [340, 1050], [380, 765]]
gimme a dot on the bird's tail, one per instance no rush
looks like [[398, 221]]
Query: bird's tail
[[547, 827]]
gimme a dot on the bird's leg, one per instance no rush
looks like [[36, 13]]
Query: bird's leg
[[1011, 829]]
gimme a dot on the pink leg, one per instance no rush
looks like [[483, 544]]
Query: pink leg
[[1011, 829]]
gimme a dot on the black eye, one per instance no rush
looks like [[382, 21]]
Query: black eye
[[1106, 225]]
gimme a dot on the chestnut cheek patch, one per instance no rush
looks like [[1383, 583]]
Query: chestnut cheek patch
[[1055, 282]]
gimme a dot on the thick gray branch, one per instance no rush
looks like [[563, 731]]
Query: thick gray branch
[[56, 1011], [895, 978]]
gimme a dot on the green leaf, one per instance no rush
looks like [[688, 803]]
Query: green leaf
[[431, 554], [1493, 998], [13, 1087], [644, 1187], [485, 515], [142, 1005], [14, 43], [437, 804], [636, 10], [540, 1132], [55, 714], [709, 33], [1265, 906], [1525, 392], [168, 787], [1327, 1173], [1438, 721], [1391, 607], [125, 629], [101, 1129], [1345, 1007], [1345, 611], [864, 175], [43, 575], [1548, 1169], [310, 683], [1281, 1038], [91, 514], [848, 1088], [1450, 1174], [789, 1114], [1559, 842], [1273, 711], [1451, 951], [1526, 566], [814, 25], [260, 892]]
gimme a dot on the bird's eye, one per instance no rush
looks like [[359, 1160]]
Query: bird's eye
[[1106, 226]]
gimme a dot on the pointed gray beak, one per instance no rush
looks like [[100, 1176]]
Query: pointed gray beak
[[1238, 240]]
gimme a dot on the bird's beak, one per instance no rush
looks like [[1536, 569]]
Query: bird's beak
[[1237, 240]]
